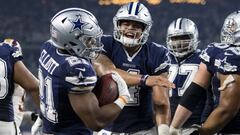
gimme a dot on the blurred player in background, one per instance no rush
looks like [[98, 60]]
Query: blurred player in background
[[12, 70], [67, 77], [182, 41], [19, 95], [130, 50], [220, 65]]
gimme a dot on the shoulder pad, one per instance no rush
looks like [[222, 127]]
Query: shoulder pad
[[220, 45]]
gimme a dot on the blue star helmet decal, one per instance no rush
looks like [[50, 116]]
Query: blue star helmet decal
[[77, 24]]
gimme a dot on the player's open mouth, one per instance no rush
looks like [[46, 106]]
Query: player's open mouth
[[130, 35]]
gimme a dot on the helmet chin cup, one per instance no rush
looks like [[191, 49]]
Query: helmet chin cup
[[129, 42]]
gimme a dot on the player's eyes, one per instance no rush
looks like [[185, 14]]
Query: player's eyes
[[90, 41]]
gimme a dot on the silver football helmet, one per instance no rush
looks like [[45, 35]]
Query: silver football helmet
[[77, 31], [182, 37], [230, 33], [133, 11]]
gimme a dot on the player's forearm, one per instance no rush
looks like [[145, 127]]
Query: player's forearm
[[228, 105], [161, 105], [103, 65], [162, 113], [217, 120], [162, 119], [180, 117], [130, 79], [35, 97], [106, 116]]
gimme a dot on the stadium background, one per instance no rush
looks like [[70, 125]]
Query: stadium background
[[28, 21]]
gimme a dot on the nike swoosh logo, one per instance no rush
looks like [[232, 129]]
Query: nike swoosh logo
[[82, 69]]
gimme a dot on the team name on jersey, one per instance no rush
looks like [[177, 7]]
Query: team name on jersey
[[129, 65], [48, 62]]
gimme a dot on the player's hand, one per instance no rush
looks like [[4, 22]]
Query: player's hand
[[122, 86], [174, 131], [160, 81], [163, 129], [194, 130], [37, 127]]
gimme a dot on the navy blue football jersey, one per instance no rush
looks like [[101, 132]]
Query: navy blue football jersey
[[150, 59], [59, 75], [223, 59], [8, 57], [182, 73]]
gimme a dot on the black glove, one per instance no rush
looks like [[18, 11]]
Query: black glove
[[195, 132], [34, 116]]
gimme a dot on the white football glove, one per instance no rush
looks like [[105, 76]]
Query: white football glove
[[174, 131], [163, 129], [37, 127], [124, 95]]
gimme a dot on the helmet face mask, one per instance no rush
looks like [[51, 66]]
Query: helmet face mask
[[130, 35], [182, 37], [230, 33], [135, 12], [181, 45], [77, 31], [93, 46]]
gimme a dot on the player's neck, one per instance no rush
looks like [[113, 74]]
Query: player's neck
[[132, 50], [184, 57]]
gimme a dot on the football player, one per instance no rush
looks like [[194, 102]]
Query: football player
[[19, 95], [13, 71], [182, 41], [130, 50], [220, 65], [67, 77]]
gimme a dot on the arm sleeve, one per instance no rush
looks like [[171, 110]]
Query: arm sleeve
[[191, 97]]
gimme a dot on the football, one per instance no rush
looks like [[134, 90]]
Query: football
[[106, 90]]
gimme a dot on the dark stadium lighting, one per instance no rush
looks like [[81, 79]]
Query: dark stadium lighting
[[151, 2]]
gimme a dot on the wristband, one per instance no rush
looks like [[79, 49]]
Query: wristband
[[143, 80], [121, 102]]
